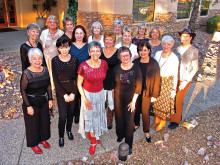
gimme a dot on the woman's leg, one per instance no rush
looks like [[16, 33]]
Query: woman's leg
[[70, 114], [138, 111], [146, 113]]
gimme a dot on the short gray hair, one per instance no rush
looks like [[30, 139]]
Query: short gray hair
[[33, 26], [127, 29], [93, 25], [141, 24], [34, 51], [54, 18], [167, 38], [116, 22], [94, 44], [66, 19]]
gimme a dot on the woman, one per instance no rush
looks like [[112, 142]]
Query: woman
[[117, 27], [155, 43], [64, 67], [68, 25], [127, 86], [48, 39], [36, 91], [110, 55], [168, 62], [33, 31], [79, 46], [188, 67], [91, 74], [127, 35], [96, 31], [150, 71], [141, 32]]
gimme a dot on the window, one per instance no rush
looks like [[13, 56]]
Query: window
[[204, 7], [143, 10], [183, 9]]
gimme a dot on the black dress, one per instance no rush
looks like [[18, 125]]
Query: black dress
[[112, 62], [36, 90], [24, 55], [64, 76], [126, 83]]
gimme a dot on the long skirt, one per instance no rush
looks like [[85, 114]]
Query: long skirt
[[94, 120], [164, 105]]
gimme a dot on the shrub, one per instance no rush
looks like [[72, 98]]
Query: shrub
[[213, 24]]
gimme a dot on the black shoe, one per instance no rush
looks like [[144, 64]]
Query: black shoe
[[130, 151], [61, 142], [119, 139], [173, 125], [148, 139], [76, 119], [70, 135], [136, 128], [109, 125]]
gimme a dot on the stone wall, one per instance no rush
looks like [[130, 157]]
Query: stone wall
[[203, 19], [86, 19]]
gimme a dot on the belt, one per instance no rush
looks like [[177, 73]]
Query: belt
[[45, 95], [66, 81]]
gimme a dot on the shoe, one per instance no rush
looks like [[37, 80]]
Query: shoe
[[130, 151], [70, 135], [37, 150], [110, 118], [93, 145], [173, 125], [98, 141], [136, 128], [156, 122], [161, 125], [76, 119], [61, 142], [148, 139], [45, 144], [89, 135], [119, 140], [109, 125]]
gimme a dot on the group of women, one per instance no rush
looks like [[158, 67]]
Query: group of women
[[106, 75]]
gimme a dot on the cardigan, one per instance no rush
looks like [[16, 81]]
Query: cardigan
[[152, 78]]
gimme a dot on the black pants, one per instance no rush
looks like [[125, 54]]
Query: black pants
[[37, 125], [124, 121], [77, 104], [143, 106], [66, 112]]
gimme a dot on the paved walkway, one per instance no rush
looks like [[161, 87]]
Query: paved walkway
[[200, 97]]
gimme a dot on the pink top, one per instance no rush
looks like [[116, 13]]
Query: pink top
[[93, 77]]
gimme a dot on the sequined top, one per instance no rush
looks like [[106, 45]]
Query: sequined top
[[65, 75], [93, 77]]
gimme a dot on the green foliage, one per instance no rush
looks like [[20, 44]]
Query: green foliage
[[213, 24], [43, 6], [72, 11]]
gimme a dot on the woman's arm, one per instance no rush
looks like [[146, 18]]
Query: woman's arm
[[88, 104], [24, 58]]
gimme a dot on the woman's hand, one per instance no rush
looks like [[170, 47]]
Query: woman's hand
[[183, 85], [152, 99], [71, 97], [66, 98], [88, 104], [30, 110], [131, 106], [50, 104]]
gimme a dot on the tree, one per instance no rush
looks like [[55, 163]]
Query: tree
[[194, 15]]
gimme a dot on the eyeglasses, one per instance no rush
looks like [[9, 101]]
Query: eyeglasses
[[127, 36], [52, 22], [125, 56]]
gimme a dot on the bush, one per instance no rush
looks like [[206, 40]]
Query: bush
[[213, 24]]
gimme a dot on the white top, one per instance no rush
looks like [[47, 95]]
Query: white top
[[132, 47], [101, 41], [168, 66]]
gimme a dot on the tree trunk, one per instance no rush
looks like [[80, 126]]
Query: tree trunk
[[194, 15]]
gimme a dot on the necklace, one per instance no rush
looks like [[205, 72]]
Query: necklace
[[30, 43]]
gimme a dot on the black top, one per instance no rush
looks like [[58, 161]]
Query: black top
[[24, 55], [35, 86], [65, 75], [143, 67], [127, 82], [112, 62]]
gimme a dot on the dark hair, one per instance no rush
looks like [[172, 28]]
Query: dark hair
[[124, 49], [63, 41], [143, 44], [94, 44], [83, 29]]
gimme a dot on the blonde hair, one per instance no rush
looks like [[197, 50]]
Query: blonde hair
[[54, 18], [110, 34], [153, 28]]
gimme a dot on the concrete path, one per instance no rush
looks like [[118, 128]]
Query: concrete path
[[200, 97]]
